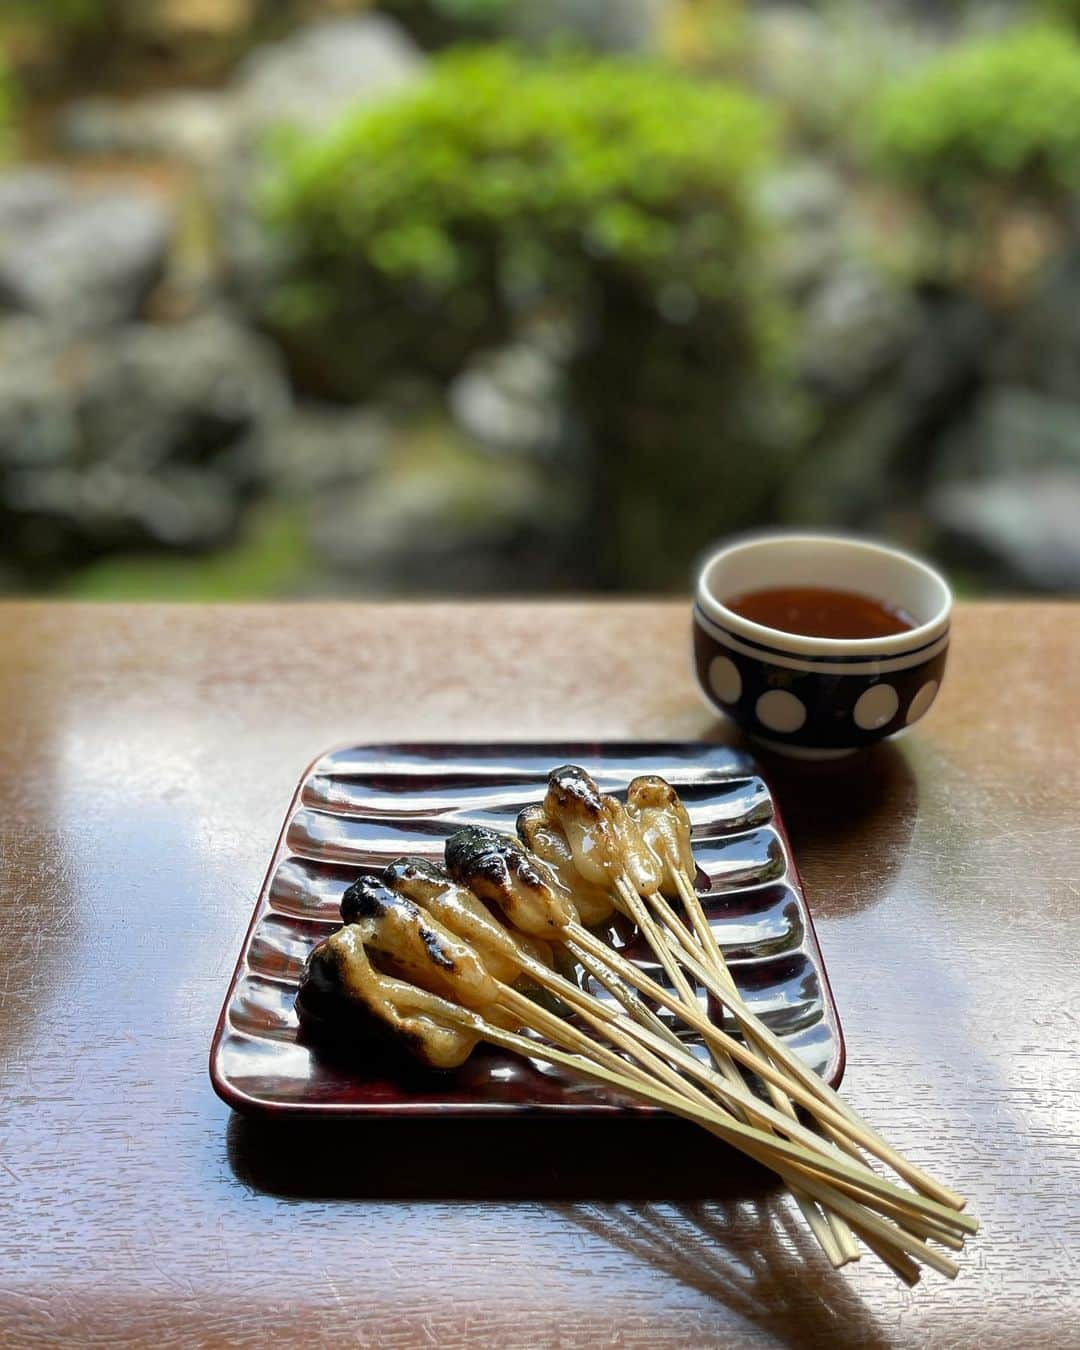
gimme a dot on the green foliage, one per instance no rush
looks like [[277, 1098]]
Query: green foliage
[[8, 110], [272, 559], [69, 14], [567, 160], [1004, 111], [501, 181]]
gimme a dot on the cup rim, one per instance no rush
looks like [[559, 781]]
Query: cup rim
[[894, 644]]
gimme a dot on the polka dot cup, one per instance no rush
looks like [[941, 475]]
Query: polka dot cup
[[816, 697]]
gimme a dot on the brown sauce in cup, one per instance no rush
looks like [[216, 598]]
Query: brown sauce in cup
[[817, 611]]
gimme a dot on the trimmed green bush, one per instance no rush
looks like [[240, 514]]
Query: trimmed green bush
[[8, 101], [501, 181], [614, 192], [1004, 111]]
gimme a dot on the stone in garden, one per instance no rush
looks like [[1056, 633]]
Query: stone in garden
[[1040, 347], [875, 452], [512, 399], [203, 392], [153, 439], [29, 196], [81, 259], [855, 326], [607, 25], [808, 207], [309, 78], [440, 514], [102, 508], [191, 125], [319, 447], [1022, 529], [39, 424], [1015, 430]]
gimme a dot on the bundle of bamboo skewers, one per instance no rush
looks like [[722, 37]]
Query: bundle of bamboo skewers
[[435, 959]]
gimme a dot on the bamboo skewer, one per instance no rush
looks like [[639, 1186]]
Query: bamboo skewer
[[851, 1173], [625, 1042], [855, 1178], [712, 957], [848, 1123], [754, 1142], [835, 1241], [763, 1068], [767, 1041], [841, 1235]]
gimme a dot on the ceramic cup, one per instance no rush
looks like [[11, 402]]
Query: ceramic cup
[[817, 697]]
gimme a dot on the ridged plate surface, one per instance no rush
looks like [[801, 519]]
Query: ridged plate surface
[[358, 808]]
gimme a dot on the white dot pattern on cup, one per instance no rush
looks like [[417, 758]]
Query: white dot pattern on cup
[[921, 701], [876, 706], [780, 711], [724, 679]]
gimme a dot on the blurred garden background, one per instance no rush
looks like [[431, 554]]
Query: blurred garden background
[[485, 296]]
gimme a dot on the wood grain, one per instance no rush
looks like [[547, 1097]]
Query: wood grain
[[146, 758]]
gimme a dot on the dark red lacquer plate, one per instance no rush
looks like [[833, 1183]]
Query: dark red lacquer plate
[[358, 808]]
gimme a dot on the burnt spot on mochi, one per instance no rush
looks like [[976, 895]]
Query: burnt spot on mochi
[[435, 949], [367, 898], [569, 785]]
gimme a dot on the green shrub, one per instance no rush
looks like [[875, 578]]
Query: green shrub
[[615, 192], [1004, 111], [8, 101], [500, 181]]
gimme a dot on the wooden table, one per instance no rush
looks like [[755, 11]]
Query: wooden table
[[148, 755]]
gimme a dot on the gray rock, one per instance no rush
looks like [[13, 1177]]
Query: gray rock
[[154, 437], [439, 516], [39, 424], [321, 447], [309, 78], [103, 508], [512, 399], [83, 260], [191, 393], [855, 326], [809, 209], [29, 196], [1014, 431], [195, 126], [824, 66], [876, 450], [608, 25], [1022, 527]]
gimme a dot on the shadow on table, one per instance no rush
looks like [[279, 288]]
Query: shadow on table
[[753, 1256], [698, 1213], [489, 1160]]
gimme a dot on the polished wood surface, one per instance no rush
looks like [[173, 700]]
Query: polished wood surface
[[147, 756]]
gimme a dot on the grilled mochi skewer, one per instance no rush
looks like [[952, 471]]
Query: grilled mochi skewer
[[663, 823], [467, 955], [501, 872], [638, 851], [508, 953], [593, 904], [425, 983], [540, 895], [574, 801]]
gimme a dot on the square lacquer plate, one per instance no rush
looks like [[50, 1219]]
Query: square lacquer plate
[[358, 808]]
